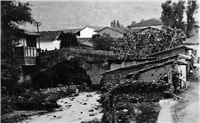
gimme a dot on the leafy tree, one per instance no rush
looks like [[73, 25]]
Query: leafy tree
[[146, 43], [114, 23], [67, 40], [172, 14], [13, 14], [111, 24], [191, 10], [118, 24], [102, 42], [133, 22]]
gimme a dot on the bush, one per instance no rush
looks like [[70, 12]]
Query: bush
[[6, 104], [42, 99], [133, 101]]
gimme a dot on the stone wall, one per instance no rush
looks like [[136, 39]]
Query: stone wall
[[93, 61]]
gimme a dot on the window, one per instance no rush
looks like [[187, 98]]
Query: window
[[31, 41]]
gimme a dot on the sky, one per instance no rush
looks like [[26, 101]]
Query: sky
[[67, 14]]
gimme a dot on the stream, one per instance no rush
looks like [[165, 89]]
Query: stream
[[83, 107]]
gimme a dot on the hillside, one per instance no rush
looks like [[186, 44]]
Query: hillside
[[64, 15]]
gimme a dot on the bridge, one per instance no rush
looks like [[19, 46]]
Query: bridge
[[91, 62]]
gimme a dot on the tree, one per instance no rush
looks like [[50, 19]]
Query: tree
[[172, 14], [114, 23], [191, 10], [67, 40], [13, 14], [118, 24], [133, 22], [102, 42], [111, 24]]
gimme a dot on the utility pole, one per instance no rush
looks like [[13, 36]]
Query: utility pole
[[37, 24]]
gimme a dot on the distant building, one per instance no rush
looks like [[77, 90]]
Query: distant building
[[114, 32], [193, 42], [149, 71], [87, 32], [153, 73], [173, 51], [48, 40], [118, 63], [155, 23]]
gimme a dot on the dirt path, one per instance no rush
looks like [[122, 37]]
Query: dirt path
[[73, 110], [188, 110]]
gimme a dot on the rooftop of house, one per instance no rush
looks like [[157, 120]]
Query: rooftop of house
[[96, 28], [49, 35], [31, 33], [143, 63], [192, 40], [153, 67], [72, 30], [117, 29], [171, 49], [129, 58], [149, 22]]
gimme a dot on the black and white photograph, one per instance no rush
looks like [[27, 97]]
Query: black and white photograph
[[100, 61]]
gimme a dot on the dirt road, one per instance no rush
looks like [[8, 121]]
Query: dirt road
[[189, 109]]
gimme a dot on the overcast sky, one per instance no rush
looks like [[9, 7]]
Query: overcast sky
[[65, 14]]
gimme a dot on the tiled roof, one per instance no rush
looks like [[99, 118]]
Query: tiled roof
[[117, 29], [72, 30], [192, 40], [48, 35], [95, 27], [142, 29], [150, 22], [171, 49], [158, 59], [31, 33], [153, 67]]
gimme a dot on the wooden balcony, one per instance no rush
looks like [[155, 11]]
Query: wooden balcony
[[26, 55]]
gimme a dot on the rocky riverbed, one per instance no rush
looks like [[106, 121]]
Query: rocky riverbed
[[83, 107]]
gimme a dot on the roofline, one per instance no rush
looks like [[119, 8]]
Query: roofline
[[140, 64], [31, 33], [136, 59], [83, 28], [111, 29], [146, 25], [170, 50], [152, 67]]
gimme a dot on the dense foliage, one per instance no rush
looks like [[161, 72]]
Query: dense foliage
[[133, 101], [67, 40], [172, 15], [35, 100], [102, 42], [13, 14], [192, 7], [145, 43]]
